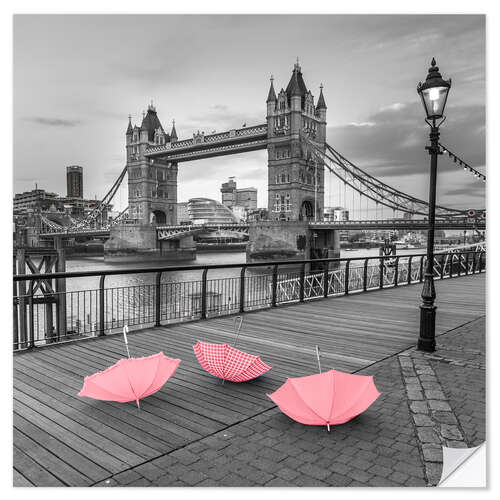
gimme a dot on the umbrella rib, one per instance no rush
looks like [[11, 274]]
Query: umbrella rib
[[333, 397], [298, 394], [355, 400]]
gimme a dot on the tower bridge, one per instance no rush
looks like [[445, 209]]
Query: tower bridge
[[298, 159]]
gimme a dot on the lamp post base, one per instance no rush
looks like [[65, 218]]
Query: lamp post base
[[426, 340]]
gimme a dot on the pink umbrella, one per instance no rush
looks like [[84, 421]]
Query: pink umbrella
[[227, 362], [328, 398], [130, 379]]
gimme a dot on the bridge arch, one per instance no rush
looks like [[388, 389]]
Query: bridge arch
[[158, 217], [306, 210]]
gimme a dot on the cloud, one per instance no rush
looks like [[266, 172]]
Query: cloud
[[54, 122], [393, 144]]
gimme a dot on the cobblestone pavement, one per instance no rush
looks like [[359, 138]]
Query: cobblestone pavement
[[426, 401]]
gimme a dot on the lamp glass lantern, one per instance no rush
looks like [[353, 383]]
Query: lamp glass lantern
[[434, 93]]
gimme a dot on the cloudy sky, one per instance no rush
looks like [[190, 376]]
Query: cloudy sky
[[76, 79]]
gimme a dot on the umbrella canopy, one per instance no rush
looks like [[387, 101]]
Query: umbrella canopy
[[328, 398], [130, 379], [228, 363]]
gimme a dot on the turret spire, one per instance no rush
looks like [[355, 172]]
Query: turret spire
[[321, 100], [296, 85], [129, 128], [271, 97], [173, 133]]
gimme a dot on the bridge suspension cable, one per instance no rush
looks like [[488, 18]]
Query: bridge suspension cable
[[463, 163], [93, 216], [373, 188]]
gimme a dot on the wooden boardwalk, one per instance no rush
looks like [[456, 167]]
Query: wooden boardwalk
[[61, 439]]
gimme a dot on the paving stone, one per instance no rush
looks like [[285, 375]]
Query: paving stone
[[434, 394], [287, 474], [422, 420], [278, 482], [433, 472], [456, 444], [184, 456], [150, 471], [255, 476], [379, 470], [358, 475], [339, 468], [127, 477], [419, 407], [338, 480], [438, 405], [427, 435], [234, 480], [165, 480], [193, 477], [142, 481], [444, 417], [399, 477], [451, 432], [432, 453], [314, 471], [415, 395], [415, 482], [305, 480], [360, 463], [405, 467], [381, 481], [207, 483]]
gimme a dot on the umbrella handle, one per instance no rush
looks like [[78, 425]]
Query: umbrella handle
[[318, 358], [237, 329], [125, 331]]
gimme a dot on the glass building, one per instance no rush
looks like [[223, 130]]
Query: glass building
[[207, 211]]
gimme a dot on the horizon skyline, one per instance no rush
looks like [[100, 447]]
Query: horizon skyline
[[378, 123]]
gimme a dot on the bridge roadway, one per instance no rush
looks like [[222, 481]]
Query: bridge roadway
[[61, 439], [351, 225]]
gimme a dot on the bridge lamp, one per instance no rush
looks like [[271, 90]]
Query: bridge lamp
[[434, 94]]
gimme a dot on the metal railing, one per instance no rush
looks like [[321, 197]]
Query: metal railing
[[42, 317]]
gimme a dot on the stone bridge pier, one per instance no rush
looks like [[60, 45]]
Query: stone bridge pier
[[291, 240], [139, 242]]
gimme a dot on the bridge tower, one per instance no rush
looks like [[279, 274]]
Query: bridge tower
[[152, 184], [295, 179]]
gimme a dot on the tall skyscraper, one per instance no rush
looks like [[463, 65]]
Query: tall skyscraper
[[74, 181]]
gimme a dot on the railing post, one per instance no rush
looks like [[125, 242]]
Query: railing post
[[396, 272], [158, 299], [274, 285], [204, 294], [474, 262], [408, 281], [481, 261], [467, 264], [326, 283], [450, 273], [421, 270], [102, 312], [302, 282], [242, 289], [31, 341], [365, 275], [459, 263], [442, 266], [381, 274], [346, 278]]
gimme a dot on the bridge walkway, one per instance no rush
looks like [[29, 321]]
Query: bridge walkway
[[61, 439]]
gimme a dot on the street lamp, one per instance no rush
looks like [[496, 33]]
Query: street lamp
[[434, 93]]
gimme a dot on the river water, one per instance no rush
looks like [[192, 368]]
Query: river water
[[203, 258]]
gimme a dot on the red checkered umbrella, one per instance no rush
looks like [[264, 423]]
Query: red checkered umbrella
[[228, 363]]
